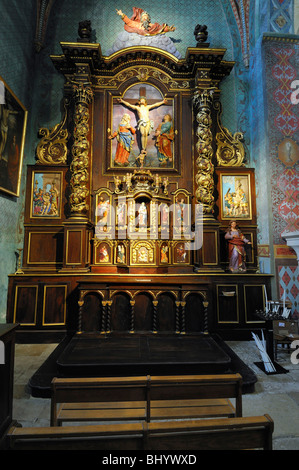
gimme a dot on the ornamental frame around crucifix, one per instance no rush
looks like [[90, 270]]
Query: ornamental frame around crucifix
[[162, 146]]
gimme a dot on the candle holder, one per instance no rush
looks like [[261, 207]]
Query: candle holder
[[19, 270]]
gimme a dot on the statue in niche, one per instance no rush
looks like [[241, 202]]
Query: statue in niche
[[164, 137], [125, 138], [121, 254], [121, 214], [164, 254], [103, 211], [140, 23], [180, 210], [145, 125], [181, 253], [236, 250], [164, 216], [103, 254], [142, 215]]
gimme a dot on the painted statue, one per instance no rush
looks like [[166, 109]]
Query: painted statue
[[142, 215], [103, 254], [164, 137], [125, 138], [103, 210], [236, 250], [121, 254], [140, 23], [141, 158], [121, 214], [145, 125], [164, 254]]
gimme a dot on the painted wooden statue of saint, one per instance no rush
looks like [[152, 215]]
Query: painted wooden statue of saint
[[164, 138], [125, 139], [236, 250]]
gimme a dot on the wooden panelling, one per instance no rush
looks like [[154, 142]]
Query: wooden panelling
[[210, 248], [54, 305], [45, 247], [254, 300], [227, 303], [74, 247], [25, 305]]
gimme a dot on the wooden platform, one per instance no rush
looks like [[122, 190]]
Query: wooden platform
[[113, 355]]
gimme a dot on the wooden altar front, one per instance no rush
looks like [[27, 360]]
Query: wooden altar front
[[130, 237]]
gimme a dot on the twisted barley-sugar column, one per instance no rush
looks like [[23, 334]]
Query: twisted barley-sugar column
[[202, 101], [82, 96]]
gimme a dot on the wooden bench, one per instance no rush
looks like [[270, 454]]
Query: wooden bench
[[145, 398], [211, 434]]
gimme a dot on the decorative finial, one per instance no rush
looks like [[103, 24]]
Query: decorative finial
[[201, 35]]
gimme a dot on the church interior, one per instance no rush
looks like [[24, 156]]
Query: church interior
[[149, 225]]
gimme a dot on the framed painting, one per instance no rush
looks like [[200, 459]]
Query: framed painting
[[142, 131], [235, 196], [13, 121], [46, 194]]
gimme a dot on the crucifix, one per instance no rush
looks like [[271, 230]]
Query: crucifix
[[145, 125]]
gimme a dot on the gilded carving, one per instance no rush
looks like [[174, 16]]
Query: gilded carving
[[204, 177], [230, 150], [80, 151], [52, 149], [143, 74]]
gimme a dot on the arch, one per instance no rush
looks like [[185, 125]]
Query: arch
[[194, 312], [143, 311], [166, 312], [92, 311], [120, 312]]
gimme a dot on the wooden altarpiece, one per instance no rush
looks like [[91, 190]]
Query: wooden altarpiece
[[91, 261]]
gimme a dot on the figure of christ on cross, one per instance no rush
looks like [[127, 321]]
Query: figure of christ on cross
[[145, 125]]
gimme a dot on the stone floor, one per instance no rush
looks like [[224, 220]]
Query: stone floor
[[276, 395]]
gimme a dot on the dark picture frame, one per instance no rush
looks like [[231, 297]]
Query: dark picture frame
[[13, 122]]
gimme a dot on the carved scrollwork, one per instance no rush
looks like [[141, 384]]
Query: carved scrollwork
[[230, 150], [142, 74], [52, 149]]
